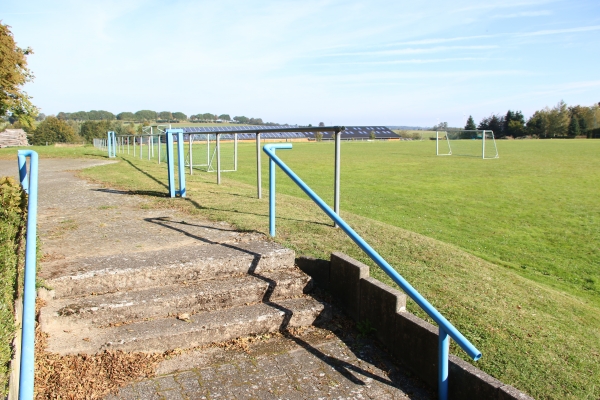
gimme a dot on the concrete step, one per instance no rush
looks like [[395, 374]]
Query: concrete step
[[162, 301], [121, 272], [171, 333]]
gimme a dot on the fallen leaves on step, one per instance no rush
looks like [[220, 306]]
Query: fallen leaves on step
[[86, 376], [184, 317]]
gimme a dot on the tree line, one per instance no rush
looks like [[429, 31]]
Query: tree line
[[151, 116], [560, 121]]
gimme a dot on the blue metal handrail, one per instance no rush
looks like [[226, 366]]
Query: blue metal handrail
[[446, 329], [30, 186]]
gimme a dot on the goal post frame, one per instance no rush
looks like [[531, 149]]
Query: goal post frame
[[484, 134]]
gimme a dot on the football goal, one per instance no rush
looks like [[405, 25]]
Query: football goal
[[480, 144], [202, 152]]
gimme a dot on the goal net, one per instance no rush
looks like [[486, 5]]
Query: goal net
[[201, 152], [465, 143]]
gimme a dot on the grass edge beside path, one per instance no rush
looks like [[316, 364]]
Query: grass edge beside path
[[12, 215], [532, 336]]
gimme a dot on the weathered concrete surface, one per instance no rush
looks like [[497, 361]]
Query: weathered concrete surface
[[315, 364], [164, 334], [79, 221], [192, 298], [126, 271]]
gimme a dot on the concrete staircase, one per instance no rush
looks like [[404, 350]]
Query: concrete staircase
[[179, 297]]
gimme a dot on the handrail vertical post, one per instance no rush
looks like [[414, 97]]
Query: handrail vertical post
[[26, 377], [271, 197], [134, 146], [170, 164], [258, 167], [159, 146], [336, 188], [181, 162], [443, 349], [218, 158]]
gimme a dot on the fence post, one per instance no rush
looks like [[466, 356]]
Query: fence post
[[180, 162], [218, 158], [336, 189], [258, 169], [26, 377], [171, 162], [272, 187]]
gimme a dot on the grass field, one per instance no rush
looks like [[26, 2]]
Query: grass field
[[507, 249]]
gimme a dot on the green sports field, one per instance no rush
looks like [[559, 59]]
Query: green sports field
[[535, 210], [506, 249]]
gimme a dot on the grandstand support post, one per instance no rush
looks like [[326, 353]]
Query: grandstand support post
[[235, 143], [336, 189], [190, 154], [218, 159], [258, 172]]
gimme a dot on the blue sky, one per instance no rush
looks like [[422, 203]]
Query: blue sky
[[310, 61]]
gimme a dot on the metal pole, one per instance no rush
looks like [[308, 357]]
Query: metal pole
[[149, 148], [336, 188], [272, 197], [235, 143], [218, 159], [444, 346], [258, 172], [128, 140], [170, 164], [190, 150], [26, 377], [181, 163], [159, 146]]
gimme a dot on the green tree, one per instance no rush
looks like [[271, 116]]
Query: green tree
[[53, 130], [179, 116], [574, 129], [493, 123], [470, 125], [372, 135], [95, 129], [558, 120], [126, 116], [318, 136], [241, 119], [224, 117], [13, 75], [146, 115], [537, 124], [165, 116]]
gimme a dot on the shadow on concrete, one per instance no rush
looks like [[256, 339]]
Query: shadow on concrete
[[364, 348]]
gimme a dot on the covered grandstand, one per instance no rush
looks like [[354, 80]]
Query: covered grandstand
[[350, 133]]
